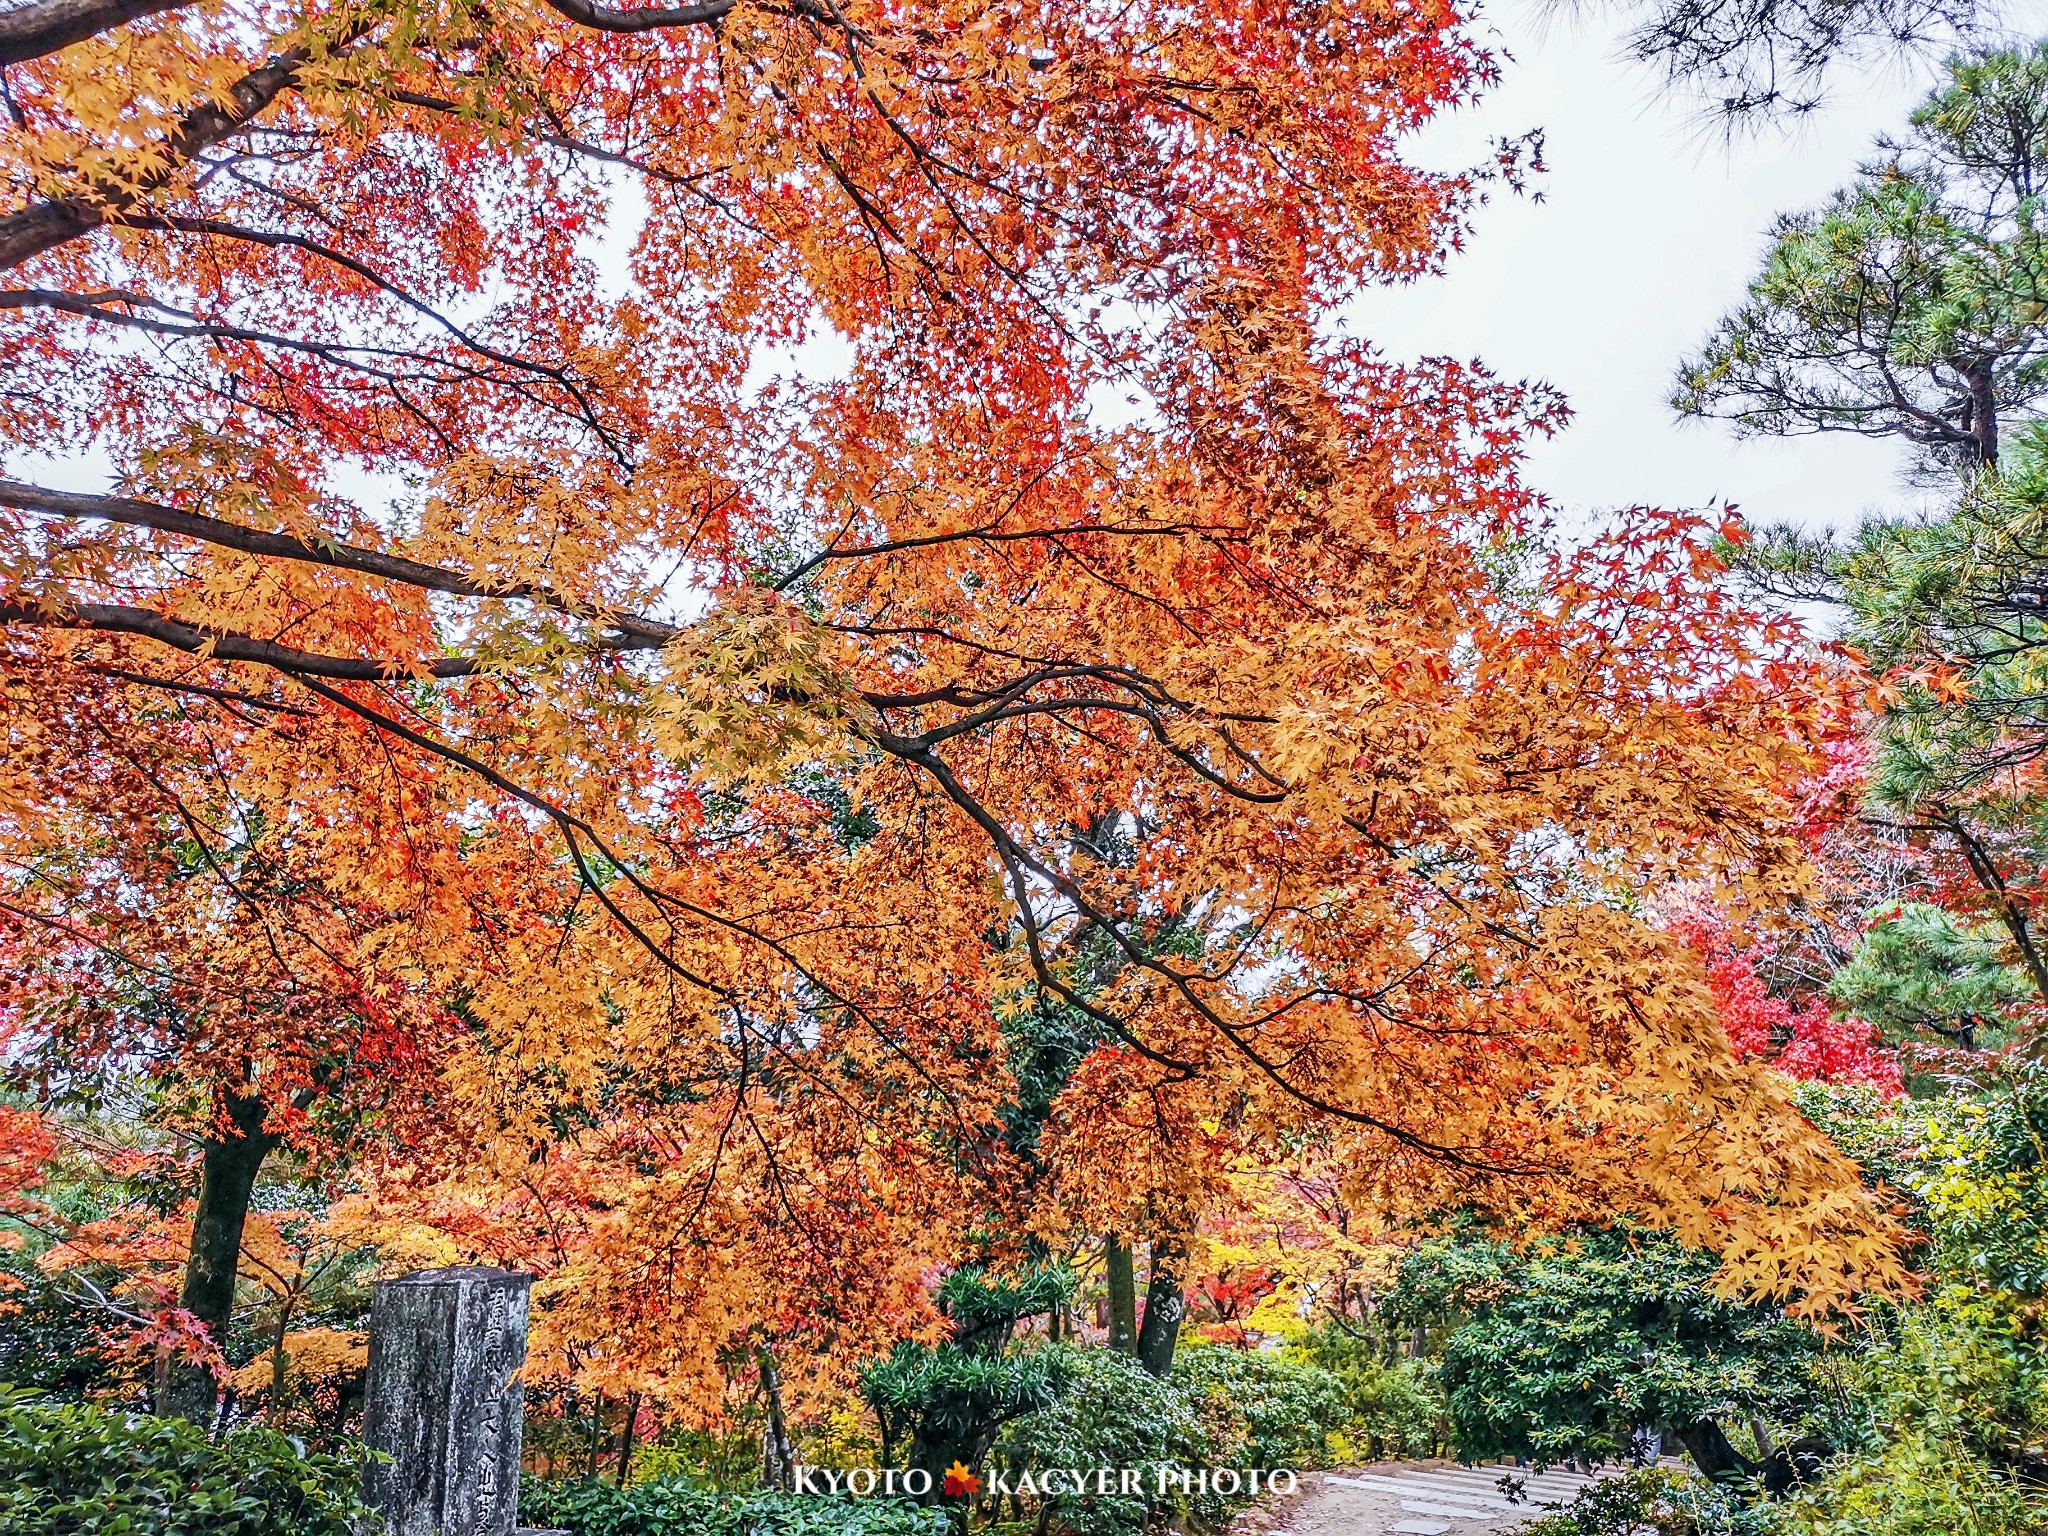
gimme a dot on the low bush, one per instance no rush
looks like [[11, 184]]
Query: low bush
[[669, 1507], [1289, 1408], [1658, 1501], [71, 1470], [945, 1405], [1397, 1408], [1397, 1411], [1116, 1415], [1911, 1487], [1220, 1408], [1567, 1348], [1917, 1485]]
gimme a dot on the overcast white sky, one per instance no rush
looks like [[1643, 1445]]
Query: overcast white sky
[[1647, 233]]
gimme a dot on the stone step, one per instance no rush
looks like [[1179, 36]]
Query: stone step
[[1417, 1484], [1525, 1474], [1454, 1511], [1532, 1487], [1491, 1479]]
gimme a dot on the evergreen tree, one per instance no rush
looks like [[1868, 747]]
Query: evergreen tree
[[1919, 971], [1914, 306], [1576, 1347], [1911, 304]]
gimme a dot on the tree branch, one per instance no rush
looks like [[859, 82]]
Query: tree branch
[[43, 26], [634, 631], [108, 618], [606, 18], [44, 226], [2011, 910]]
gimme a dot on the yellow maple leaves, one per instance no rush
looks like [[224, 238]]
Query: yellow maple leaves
[[755, 689]]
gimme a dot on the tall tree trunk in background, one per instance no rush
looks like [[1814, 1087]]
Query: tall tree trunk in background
[[1123, 1295], [1984, 414], [596, 1438], [778, 1460], [626, 1438], [1711, 1452], [280, 1362], [228, 1178], [1165, 1303]]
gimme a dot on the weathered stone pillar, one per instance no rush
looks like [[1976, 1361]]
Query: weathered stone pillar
[[444, 1401]]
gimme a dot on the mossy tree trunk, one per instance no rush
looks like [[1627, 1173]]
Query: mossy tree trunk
[[1165, 1303], [1123, 1295]]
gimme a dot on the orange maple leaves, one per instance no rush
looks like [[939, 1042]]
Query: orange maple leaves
[[669, 768]]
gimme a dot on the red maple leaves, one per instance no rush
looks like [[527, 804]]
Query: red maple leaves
[[1804, 1042]]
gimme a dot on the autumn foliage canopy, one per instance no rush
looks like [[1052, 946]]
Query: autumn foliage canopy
[[668, 571]]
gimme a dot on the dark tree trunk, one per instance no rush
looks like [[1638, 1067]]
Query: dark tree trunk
[[1984, 415], [2012, 912], [626, 1438], [596, 1438], [1710, 1451], [228, 1179], [778, 1459], [1123, 1295], [1165, 1303]]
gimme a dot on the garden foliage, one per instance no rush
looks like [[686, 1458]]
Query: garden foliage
[[68, 1469], [674, 1507], [1575, 1346]]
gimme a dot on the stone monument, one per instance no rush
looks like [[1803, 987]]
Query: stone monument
[[444, 1401]]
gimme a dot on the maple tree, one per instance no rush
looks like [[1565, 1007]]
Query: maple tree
[[1805, 1042], [213, 981], [696, 752]]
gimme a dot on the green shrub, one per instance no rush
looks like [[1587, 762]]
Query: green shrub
[[1289, 1408], [1117, 1415], [973, 1297], [946, 1405], [673, 1508], [726, 1460], [1397, 1409], [949, 1403], [1220, 1408], [71, 1470], [1917, 1485], [1657, 1501], [1571, 1346], [49, 1344]]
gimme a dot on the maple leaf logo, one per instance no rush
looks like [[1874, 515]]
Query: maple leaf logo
[[960, 1481]]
